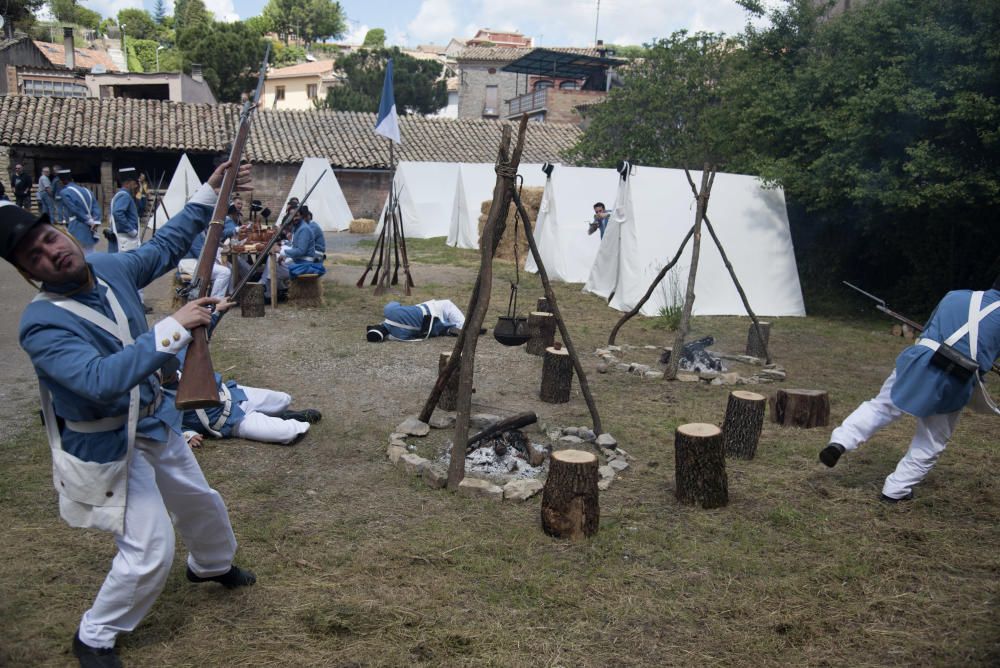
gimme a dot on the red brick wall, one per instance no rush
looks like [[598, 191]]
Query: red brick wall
[[560, 103]]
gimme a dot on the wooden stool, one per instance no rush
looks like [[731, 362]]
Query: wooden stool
[[743, 424], [252, 301], [757, 344], [449, 395], [542, 330], [700, 466], [557, 376], [570, 499], [306, 290], [801, 408]]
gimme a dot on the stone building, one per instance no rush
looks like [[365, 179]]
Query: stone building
[[96, 136], [299, 86]]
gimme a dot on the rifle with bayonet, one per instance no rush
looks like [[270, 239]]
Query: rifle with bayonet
[[881, 306], [197, 388]]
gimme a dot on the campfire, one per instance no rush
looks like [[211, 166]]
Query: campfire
[[504, 450], [695, 357]]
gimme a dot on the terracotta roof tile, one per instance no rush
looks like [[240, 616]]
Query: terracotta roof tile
[[86, 59], [301, 70], [347, 139]]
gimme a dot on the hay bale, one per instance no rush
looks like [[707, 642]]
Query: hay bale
[[362, 226], [532, 199]]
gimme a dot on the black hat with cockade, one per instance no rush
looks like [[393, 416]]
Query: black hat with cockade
[[15, 222]]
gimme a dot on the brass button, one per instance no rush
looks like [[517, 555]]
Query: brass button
[[177, 336], [165, 343], [109, 494]]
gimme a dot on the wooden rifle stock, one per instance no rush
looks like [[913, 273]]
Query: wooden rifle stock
[[197, 388]]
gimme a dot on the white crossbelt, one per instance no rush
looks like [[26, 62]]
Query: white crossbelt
[[215, 428], [411, 328]]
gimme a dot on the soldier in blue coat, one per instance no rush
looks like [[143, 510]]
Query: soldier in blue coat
[[124, 213], [318, 238], [435, 317], [83, 213], [295, 257], [933, 380], [119, 461]]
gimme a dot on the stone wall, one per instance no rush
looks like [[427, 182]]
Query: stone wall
[[560, 104], [473, 78], [364, 190], [6, 168]]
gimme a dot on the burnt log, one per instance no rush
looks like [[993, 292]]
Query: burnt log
[[757, 343], [448, 396], [570, 507], [557, 376], [700, 466], [743, 424], [252, 300], [513, 422], [542, 330], [801, 408]]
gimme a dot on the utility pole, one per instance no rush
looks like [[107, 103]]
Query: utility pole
[[597, 21]]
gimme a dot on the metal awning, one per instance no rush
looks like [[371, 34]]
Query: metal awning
[[561, 64]]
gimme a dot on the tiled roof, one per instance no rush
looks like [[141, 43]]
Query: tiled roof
[[85, 59], [510, 54], [301, 70], [347, 139]]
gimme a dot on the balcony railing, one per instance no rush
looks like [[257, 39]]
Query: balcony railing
[[524, 104]]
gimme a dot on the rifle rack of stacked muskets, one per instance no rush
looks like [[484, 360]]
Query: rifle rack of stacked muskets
[[389, 251], [462, 359]]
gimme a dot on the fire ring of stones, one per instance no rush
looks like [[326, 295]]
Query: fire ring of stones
[[612, 358], [509, 466]]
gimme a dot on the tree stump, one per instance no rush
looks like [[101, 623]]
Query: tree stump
[[700, 466], [542, 330], [449, 395], [755, 347], [743, 424], [557, 376], [543, 305], [801, 408], [252, 300], [306, 290], [570, 498]]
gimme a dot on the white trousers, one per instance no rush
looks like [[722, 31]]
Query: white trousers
[[127, 243], [220, 275], [164, 480], [261, 424], [930, 440]]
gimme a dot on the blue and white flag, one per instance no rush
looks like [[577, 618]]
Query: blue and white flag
[[388, 121]]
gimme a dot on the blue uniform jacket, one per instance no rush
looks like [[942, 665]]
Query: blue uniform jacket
[[80, 207], [303, 244], [236, 414], [922, 389], [88, 371], [126, 216], [194, 251], [411, 316], [229, 228], [318, 237]]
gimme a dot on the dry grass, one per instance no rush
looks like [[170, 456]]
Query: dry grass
[[360, 566], [532, 199], [362, 226]]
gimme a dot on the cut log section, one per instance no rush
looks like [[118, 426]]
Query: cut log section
[[755, 346], [306, 290], [801, 408], [570, 506], [743, 424], [543, 305], [252, 300], [700, 466], [557, 376], [542, 330], [449, 395]]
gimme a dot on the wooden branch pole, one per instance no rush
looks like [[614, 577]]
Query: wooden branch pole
[[743, 423], [450, 394], [700, 466], [542, 330], [550, 295], [652, 287], [272, 268], [513, 422], [492, 232], [757, 339], [252, 301], [570, 507], [801, 408], [707, 177]]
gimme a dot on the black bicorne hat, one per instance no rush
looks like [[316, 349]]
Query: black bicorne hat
[[376, 333], [15, 223], [256, 205]]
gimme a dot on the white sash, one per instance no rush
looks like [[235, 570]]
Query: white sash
[[215, 429]]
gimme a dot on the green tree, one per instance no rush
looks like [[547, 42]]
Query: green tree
[[159, 12], [259, 25], [311, 20], [140, 24], [374, 39], [145, 53], [416, 85], [68, 11], [134, 64], [20, 15], [229, 53], [190, 13]]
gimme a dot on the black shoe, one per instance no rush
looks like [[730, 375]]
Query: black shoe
[[831, 453], [282, 296], [95, 657], [453, 331], [295, 440], [147, 309], [888, 499], [310, 415], [233, 578]]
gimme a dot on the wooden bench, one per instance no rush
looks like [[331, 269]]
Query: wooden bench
[[306, 290]]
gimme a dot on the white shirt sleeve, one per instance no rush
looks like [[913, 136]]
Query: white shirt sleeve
[[450, 313]]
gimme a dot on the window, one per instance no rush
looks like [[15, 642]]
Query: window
[[279, 92], [491, 106], [569, 85], [542, 84], [44, 88], [311, 90]]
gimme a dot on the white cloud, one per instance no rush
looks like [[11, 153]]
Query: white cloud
[[436, 22], [356, 34], [223, 10], [110, 8]]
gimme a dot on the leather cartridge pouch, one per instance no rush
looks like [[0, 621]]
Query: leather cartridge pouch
[[957, 364]]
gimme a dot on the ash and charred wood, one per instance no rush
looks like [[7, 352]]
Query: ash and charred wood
[[513, 422]]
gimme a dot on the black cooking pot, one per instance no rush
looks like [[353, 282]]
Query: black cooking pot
[[511, 331]]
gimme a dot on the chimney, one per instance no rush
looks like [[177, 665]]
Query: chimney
[[196, 72], [68, 47]]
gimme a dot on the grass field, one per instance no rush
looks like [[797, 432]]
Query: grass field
[[360, 565]]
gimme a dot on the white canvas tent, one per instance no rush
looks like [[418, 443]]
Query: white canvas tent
[[655, 209], [566, 212], [426, 192], [327, 203], [183, 186], [473, 186]]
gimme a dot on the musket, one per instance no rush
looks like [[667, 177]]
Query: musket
[[197, 388], [881, 306], [156, 203]]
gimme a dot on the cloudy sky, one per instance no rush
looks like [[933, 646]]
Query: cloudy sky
[[552, 23]]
